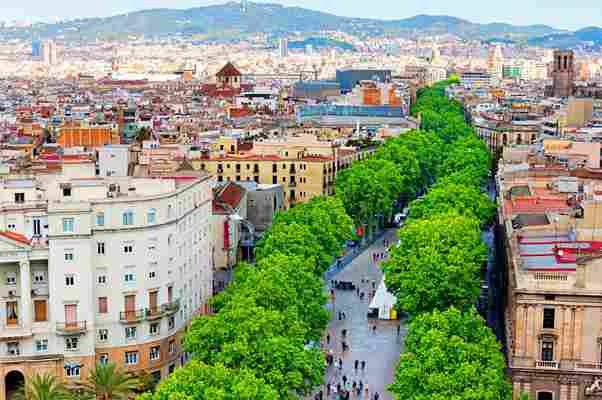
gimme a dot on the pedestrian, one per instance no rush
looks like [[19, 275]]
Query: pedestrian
[[376, 396], [373, 284], [354, 385], [366, 391], [344, 379], [321, 395], [340, 363], [328, 338], [338, 388], [344, 346], [357, 291], [328, 390], [363, 365], [374, 328], [344, 332], [398, 329], [355, 364], [344, 316]]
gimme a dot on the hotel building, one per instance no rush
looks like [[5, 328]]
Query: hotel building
[[100, 270]]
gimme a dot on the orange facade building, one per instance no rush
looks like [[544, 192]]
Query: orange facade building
[[86, 137]]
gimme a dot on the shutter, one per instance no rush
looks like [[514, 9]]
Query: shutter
[[70, 314], [41, 311]]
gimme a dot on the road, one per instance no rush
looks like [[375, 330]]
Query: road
[[380, 348]]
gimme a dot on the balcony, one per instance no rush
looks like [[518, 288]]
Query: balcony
[[154, 313], [546, 364], [587, 366], [71, 328], [131, 317]]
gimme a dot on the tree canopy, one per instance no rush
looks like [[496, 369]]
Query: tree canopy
[[450, 355]]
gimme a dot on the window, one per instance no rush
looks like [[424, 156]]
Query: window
[[39, 276], [547, 350], [172, 346], [69, 280], [129, 277], [69, 255], [131, 357], [103, 335], [67, 191], [103, 305], [11, 278], [40, 310], [154, 329], [171, 322], [152, 274], [12, 348], [100, 219], [67, 225], [128, 248], [72, 370], [42, 345], [72, 343], [128, 218], [102, 279], [100, 247], [155, 353], [171, 369], [103, 358], [151, 217], [548, 318], [19, 198], [130, 332]]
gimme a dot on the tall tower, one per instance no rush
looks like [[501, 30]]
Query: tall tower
[[563, 73], [495, 63]]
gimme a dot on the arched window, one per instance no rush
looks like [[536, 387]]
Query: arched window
[[128, 217], [151, 216]]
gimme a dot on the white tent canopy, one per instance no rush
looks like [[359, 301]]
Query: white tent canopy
[[384, 301]]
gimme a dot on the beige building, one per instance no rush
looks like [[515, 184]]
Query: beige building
[[551, 219], [304, 166]]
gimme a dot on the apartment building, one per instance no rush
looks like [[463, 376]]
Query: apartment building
[[304, 166], [100, 270], [551, 220]]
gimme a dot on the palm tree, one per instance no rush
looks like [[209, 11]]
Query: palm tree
[[42, 387], [108, 382]]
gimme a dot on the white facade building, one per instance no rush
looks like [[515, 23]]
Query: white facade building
[[100, 270]]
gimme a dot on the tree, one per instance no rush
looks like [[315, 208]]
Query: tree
[[468, 155], [199, 381], [407, 163], [268, 342], [109, 382], [282, 283], [369, 188], [451, 355], [42, 387], [453, 197], [436, 264], [429, 150]]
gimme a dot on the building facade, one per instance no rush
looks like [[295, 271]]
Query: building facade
[[100, 270]]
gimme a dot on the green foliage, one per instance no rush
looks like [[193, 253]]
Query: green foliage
[[109, 382], [268, 342], [429, 150], [454, 197], [42, 387], [451, 355], [199, 381], [283, 283], [406, 161], [436, 264], [468, 155]]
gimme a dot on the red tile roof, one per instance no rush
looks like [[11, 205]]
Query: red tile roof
[[536, 205], [231, 195], [228, 70], [16, 237]]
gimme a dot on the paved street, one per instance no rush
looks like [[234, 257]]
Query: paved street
[[380, 348]]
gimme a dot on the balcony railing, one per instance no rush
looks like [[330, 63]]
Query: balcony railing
[[71, 327], [131, 316], [588, 366], [153, 313], [546, 364]]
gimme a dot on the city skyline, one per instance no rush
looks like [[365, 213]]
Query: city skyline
[[554, 13]]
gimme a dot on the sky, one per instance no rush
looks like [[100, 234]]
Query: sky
[[564, 14]]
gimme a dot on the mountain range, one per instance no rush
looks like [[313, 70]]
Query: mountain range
[[229, 21]]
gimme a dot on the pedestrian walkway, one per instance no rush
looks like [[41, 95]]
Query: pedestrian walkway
[[379, 348]]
